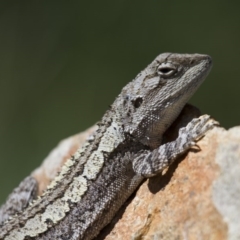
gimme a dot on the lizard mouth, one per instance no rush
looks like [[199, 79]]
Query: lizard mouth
[[172, 105], [192, 78]]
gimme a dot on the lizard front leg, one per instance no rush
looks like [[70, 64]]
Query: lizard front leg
[[150, 163]]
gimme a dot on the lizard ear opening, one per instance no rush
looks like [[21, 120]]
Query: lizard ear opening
[[137, 102]]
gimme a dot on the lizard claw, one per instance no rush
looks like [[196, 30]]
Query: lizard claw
[[195, 130]]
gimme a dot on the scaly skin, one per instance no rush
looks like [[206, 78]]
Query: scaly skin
[[126, 148]]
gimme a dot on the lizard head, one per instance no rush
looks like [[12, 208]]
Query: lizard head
[[149, 104]]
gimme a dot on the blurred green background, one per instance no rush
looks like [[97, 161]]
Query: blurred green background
[[63, 62]]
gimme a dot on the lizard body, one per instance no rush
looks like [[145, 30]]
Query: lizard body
[[126, 148]]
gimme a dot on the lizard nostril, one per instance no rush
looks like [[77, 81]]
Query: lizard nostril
[[192, 61]]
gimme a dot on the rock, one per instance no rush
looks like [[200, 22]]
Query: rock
[[197, 197]]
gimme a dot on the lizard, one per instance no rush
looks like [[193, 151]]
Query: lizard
[[125, 149]]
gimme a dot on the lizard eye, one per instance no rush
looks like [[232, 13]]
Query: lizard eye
[[166, 70]]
